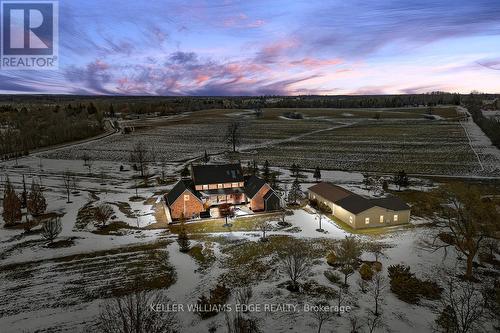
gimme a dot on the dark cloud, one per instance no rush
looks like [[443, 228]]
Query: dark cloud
[[183, 57], [358, 28]]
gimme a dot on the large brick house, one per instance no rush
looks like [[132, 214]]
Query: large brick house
[[212, 185]]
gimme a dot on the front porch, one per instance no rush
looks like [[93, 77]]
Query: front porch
[[232, 196]]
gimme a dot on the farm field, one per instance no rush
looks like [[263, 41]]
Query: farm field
[[65, 287], [344, 139]]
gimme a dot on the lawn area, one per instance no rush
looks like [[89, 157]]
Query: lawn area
[[249, 262], [210, 226], [76, 279]]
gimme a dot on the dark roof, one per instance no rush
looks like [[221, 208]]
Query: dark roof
[[253, 185], [269, 194], [179, 188], [329, 191], [392, 203], [216, 173], [355, 203], [222, 191]]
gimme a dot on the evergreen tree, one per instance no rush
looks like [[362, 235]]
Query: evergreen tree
[[295, 192], [266, 173], [295, 169], [255, 168], [185, 172], [182, 237], [317, 174], [36, 201], [24, 195], [11, 205], [206, 158], [401, 179]]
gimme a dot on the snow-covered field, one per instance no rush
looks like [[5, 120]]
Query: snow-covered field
[[401, 139], [61, 289]]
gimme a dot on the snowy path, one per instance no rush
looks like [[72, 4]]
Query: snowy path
[[487, 154], [293, 138]]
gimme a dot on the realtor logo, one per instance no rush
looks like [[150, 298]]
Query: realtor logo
[[29, 36]]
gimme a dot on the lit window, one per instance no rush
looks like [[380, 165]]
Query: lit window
[[235, 184], [396, 218], [219, 185], [333, 210], [381, 218], [205, 187], [367, 220], [186, 197], [350, 219]]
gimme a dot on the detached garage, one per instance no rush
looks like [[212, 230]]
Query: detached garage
[[360, 212]]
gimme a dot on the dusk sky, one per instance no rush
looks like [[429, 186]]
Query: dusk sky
[[271, 47]]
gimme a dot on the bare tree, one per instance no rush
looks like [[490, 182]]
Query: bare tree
[[233, 134], [74, 184], [375, 248], [373, 323], [467, 222], [136, 313], [87, 162], [462, 308], [282, 217], [68, 183], [51, 229], [376, 288], [348, 253], [139, 156], [322, 314], [103, 213], [239, 323], [243, 295], [296, 263], [226, 212], [321, 210], [264, 226], [354, 324]]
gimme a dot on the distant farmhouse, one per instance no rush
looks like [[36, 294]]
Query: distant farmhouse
[[360, 212], [212, 185]]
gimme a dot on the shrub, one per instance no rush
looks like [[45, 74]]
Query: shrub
[[377, 266], [408, 288], [366, 272], [209, 306], [430, 290], [331, 259], [333, 277]]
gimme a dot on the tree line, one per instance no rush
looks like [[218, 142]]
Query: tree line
[[490, 127], [31, 127]]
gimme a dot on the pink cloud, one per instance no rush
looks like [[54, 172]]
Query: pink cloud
[[242, 21], [316, 63]]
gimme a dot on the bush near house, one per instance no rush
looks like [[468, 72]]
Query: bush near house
[[208, 305], [320, 206], [409, 288], [366, 272]]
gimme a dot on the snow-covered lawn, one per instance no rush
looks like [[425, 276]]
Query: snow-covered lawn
[[61, 288]]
